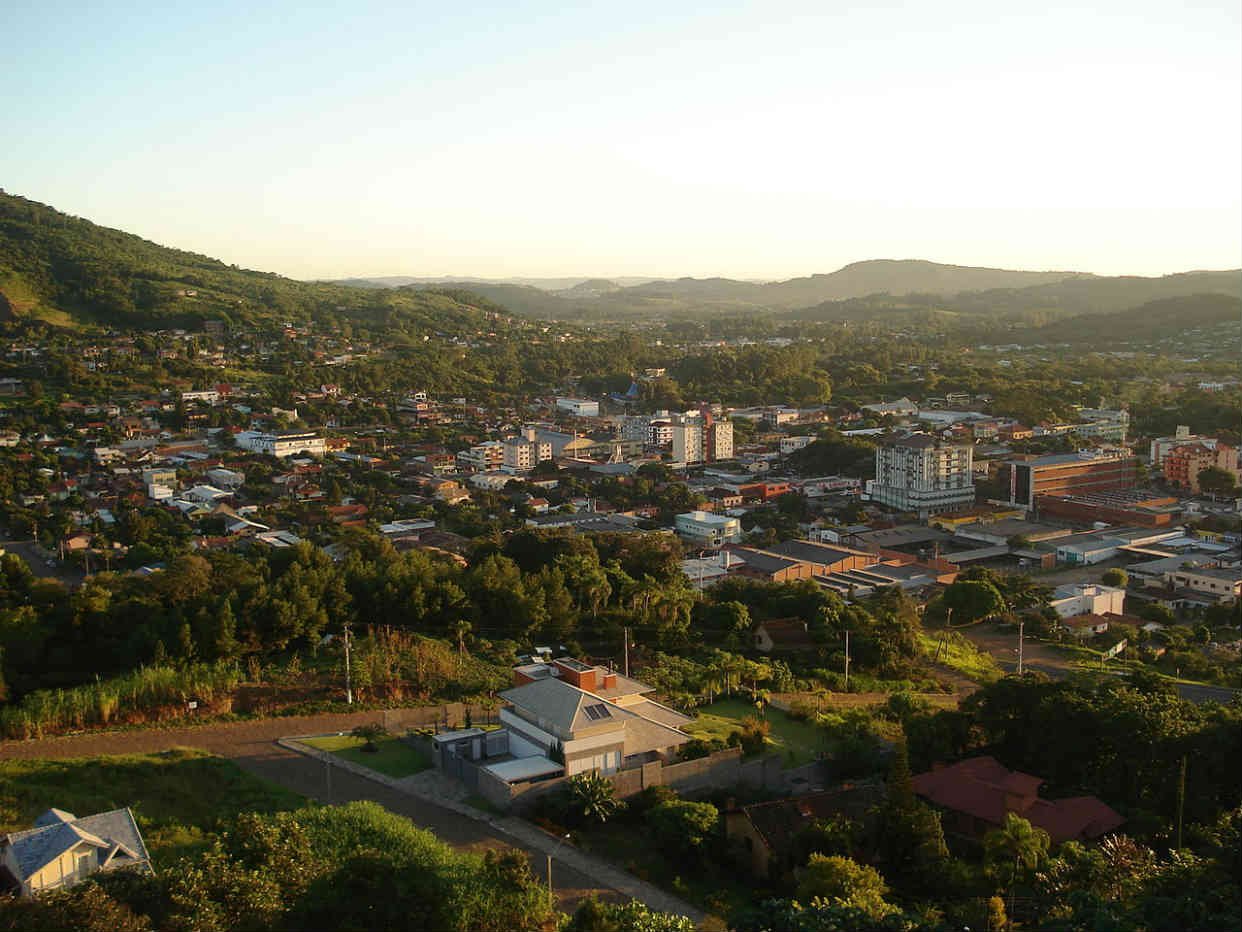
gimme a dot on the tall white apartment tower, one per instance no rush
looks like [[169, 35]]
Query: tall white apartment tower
[[919, 473]]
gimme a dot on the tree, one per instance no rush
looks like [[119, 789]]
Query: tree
[[972, 600], [1216, 481], [841, 881], [1014, 849], [683, 827], [1115, 577], [594, 915], [593, 798], [369, 733]]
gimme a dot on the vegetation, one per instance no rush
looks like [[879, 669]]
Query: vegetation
[[353, 866], [178, 796], [391, 757]]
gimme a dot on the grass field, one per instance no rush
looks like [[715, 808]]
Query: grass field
[[957, 653], [394, 758], [176, 796], [799, 742]]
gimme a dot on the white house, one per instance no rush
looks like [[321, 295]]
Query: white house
[[285, 443], [62, 850]]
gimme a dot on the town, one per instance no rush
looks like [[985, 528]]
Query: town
[[601, 611]]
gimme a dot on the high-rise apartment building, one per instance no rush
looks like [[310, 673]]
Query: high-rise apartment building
[[919, 473], [701, 439]]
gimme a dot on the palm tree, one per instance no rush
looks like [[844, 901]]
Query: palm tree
[[1014, 848], [594, 797]]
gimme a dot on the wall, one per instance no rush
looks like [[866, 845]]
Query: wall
[[720, 769]]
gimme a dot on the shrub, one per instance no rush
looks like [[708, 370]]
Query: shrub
[[681, 826]]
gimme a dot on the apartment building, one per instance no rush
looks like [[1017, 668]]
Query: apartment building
[[701, 439], [482, 457], [525, 451], [919, 473], [1182, 464]]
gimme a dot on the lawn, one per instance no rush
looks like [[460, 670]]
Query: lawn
[[177, 796], [394, 758], [798, 742]]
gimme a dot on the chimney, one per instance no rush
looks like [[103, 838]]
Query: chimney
[[610, 681]]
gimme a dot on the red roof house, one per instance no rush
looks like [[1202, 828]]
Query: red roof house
[[977, 793]]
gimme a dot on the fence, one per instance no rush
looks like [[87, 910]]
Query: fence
[[720, 769]]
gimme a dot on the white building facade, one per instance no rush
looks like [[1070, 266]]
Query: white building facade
[[919, 473]]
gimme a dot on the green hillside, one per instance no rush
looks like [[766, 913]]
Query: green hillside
[[1168, 317], [68, 271]]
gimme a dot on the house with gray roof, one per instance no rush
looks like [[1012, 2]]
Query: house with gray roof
[[583, 718], [62, 850]]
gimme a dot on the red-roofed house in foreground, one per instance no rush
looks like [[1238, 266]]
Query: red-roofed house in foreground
[[976, 794]]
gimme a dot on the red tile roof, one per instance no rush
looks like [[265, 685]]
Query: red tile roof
[[984, 788]]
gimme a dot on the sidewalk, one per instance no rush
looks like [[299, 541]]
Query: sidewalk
[[429, 786]]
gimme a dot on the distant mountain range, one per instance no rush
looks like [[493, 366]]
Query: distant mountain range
[[861, 289], [66, 270]]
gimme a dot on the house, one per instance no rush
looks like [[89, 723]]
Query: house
[[1085, 626], [62, 850], [783, 635], [976, 794], [767, 830], [582, 718]]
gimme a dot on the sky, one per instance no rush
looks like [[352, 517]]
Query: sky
[[758, 140]]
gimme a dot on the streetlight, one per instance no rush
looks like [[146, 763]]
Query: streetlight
[[551, 895]]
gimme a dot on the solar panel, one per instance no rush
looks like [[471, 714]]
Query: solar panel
[[598, 711]]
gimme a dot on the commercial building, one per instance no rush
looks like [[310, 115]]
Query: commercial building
[[1080, 473], [578, 407], [919, 473], [282, 444], [707, 529], [1139, 507], [1086, 599]]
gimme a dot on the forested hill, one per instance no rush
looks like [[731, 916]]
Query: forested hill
[[1168, 317], [68, 271]]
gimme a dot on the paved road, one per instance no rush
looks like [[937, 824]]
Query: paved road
[[252, 746], [26, 549]]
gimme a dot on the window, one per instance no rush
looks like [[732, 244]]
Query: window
[[86, 863], [597, 712]]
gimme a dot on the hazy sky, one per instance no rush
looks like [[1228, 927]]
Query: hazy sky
[[761, 140]]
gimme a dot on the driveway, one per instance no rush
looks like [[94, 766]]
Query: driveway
[[252, 746]]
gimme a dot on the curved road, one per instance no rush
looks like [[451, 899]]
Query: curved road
[[252, 746]]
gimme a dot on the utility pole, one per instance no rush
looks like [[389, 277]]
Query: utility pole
[[1021, 627], [847, 659], [626, 635], [349, 692]]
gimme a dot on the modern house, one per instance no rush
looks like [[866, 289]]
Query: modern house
[[976, 794], [1087, 599], [62, 850], [567, 717]]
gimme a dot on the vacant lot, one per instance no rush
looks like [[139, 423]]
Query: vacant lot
[[799, 742], [394, 758], [177, 796]]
